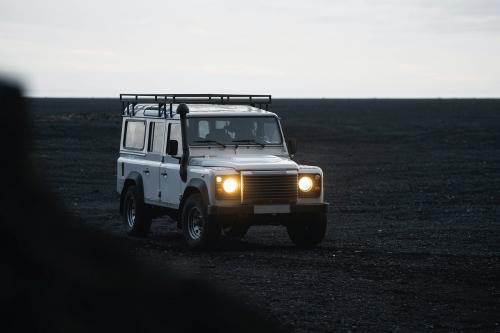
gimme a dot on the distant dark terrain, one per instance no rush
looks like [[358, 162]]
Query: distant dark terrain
[[414, 227]]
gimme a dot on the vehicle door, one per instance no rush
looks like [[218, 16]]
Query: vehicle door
[[133, 148], [152, 161], [170, 180]]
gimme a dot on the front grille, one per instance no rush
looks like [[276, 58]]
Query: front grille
[[269, 189]]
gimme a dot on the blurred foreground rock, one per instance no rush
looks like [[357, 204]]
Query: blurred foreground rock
[[58, 275]]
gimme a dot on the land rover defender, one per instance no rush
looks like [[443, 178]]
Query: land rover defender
[[215, 164]]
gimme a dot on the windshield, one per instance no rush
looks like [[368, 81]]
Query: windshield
[[224, 131]]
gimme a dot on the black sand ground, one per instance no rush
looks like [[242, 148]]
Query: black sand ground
[[414, 228]]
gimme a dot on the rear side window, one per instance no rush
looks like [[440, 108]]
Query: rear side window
[[156, 137], [135, 132]]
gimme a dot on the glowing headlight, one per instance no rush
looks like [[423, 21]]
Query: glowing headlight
[[227, 187], [305, 183], [230, 185]]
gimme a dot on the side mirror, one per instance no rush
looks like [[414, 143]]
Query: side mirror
[[173, 147], [292, 146]]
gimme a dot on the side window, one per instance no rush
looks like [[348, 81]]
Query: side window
[[135, 132], [174, 132], [156, 137]]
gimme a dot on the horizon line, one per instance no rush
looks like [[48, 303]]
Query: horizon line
[[279, 97]]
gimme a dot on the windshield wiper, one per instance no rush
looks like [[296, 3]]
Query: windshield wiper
[[250, 141], [210, 141]]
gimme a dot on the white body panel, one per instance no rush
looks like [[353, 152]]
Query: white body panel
[[151, 179], [246, 162], [170, 183]]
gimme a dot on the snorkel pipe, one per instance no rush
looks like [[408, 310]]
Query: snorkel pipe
[[182, 110]]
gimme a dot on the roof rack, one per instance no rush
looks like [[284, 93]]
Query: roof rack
[[129, 101]]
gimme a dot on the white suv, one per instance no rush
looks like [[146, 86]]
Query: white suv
[[214, 163]]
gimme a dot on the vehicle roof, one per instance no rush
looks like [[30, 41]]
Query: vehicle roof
[[200, 110]]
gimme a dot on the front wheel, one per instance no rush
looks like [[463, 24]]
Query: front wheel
[[307, 231], [199, 230]]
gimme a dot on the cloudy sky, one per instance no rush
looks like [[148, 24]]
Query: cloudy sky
[[289, 48]]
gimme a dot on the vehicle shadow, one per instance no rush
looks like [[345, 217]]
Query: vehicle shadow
[[174, 241], [243, 245]]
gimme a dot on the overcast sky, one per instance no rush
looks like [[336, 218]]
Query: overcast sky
[[289, 48]]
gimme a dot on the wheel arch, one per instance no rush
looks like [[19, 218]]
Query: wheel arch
[[195, 185]]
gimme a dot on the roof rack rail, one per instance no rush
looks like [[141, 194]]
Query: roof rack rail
[[129, 101]]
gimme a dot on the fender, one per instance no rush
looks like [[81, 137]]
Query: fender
[[137, 179], [199, 185]]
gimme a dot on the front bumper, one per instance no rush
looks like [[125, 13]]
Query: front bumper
[[248, 210]]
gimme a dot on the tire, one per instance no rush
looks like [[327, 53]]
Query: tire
[[307, 231], [136, 214], [199, 230], [236, 231]]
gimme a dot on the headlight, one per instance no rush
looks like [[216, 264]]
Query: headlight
[[227, 187], [230, 185], [309, 185], [305, 183]]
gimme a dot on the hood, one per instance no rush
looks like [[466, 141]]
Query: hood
[[246, 162]]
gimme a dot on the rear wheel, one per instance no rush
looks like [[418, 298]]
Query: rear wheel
[[199, 230], [136, 214], [307, 231]]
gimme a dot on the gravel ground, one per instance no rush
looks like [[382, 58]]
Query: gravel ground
[[413, 241]]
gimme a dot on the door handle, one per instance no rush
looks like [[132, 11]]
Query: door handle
[[164, 174], [146, 172]]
